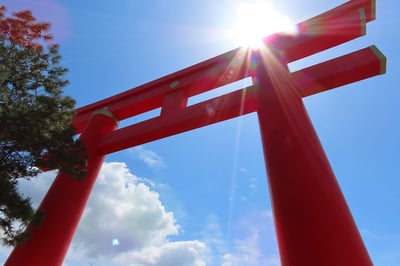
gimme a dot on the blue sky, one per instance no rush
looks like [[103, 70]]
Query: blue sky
[[201, 197]]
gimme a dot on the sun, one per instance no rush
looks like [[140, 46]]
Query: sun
[[256, 21]]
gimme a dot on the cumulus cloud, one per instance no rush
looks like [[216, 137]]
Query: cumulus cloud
[[182, 253], [124, 223], [149, 157], [120, 208]]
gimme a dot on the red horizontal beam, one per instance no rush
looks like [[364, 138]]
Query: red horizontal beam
[[339, 25], [196, 79], [331, 28], [340, 71], [346, 69], [218, 109]]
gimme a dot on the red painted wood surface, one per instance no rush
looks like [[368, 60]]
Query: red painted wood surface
[[314, 225]]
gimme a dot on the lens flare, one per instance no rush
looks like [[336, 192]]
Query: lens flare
[[255, 21], [115, 242]]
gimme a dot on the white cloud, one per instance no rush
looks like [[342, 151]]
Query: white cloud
[[123, 209], [182, 253], [254, 241], [37, 187], [251, 240], [213, 236], [149, 157]]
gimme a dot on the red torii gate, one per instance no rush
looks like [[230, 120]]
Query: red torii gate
[[313, 222]]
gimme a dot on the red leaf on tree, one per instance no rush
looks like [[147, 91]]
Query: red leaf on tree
[[23, 30]]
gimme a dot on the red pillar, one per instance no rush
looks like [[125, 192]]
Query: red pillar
[[63, 204], [313, 222]]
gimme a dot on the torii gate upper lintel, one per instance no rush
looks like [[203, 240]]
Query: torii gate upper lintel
[[313, 222]]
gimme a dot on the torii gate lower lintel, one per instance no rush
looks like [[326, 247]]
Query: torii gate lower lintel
[[313, 222]]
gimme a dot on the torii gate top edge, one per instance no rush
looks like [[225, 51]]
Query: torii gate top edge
[[170, 93]]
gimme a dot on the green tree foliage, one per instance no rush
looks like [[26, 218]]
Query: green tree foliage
[[35, 116]]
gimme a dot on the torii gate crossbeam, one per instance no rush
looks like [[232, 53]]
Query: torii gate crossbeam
[[313, 222]]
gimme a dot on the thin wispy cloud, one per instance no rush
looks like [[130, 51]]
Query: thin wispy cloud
[[243, 169], [149, 157], [253, 241]]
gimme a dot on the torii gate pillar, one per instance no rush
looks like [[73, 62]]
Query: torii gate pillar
[[308, 206], [63, 205]]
